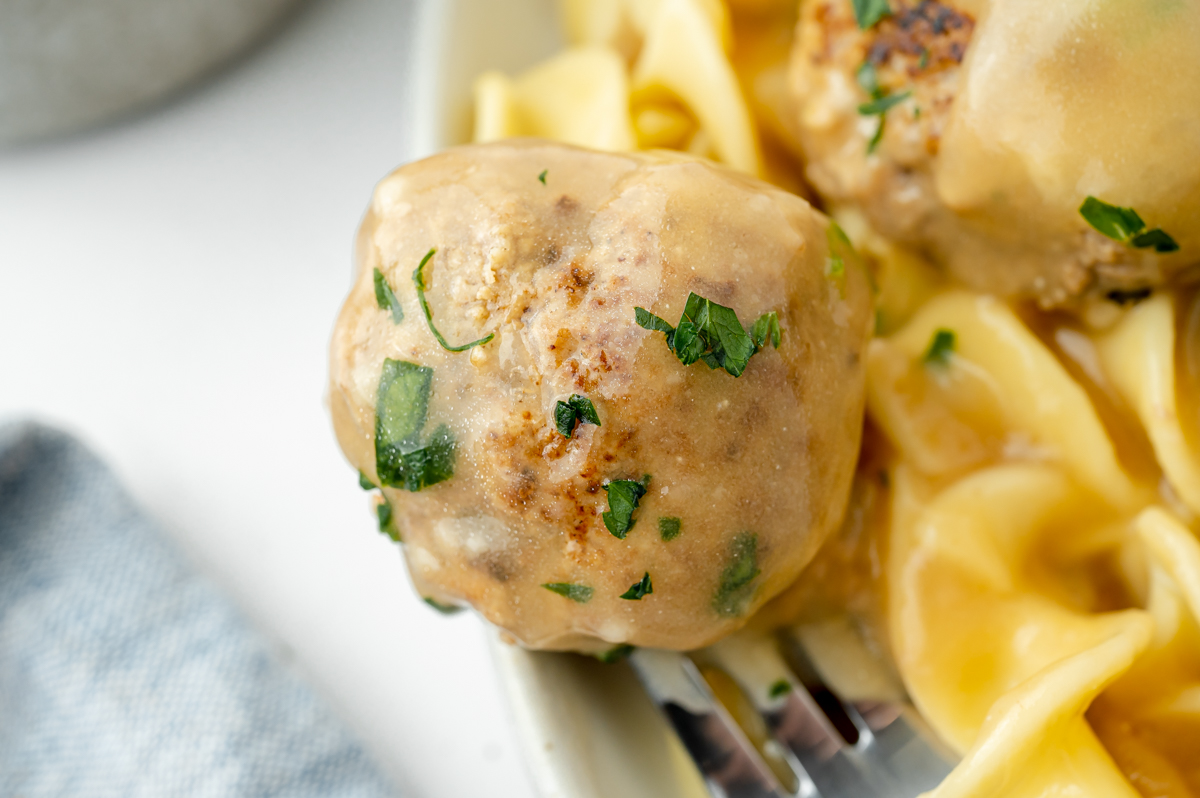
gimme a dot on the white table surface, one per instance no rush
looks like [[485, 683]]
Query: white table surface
[[167, 289]]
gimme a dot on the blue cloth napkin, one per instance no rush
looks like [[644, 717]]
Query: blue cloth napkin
[[125, 673]]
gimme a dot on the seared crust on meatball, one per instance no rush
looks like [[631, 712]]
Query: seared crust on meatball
[[920, 51], [550, 249]]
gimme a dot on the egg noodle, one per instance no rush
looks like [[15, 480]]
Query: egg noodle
[[1039, 571]]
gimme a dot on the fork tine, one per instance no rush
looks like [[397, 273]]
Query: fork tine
[[818, 753], [905, 745], [893, 737], [730, 765]]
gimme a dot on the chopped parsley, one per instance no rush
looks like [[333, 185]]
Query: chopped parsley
[[780, 688], [401, 410], [882, 105], [868, 79], [385, 297], [766, 330], [1124, 225], [364, 482], [617, 652], [576, 409], [542, 176], [840, 250], [639, 590], [734, 588], [419, 282], [623, 498], [444, 609], [669, 527], [387, 520], [712, 333], [869, 12], [941, 346], [1131, 297], [879, 106], [580, 594]]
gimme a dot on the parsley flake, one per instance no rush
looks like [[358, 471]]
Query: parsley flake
[[734, 588], [387, 520], [868, 78], [419, 281], [1124, 225], [385, 297], [444, 609], [401, 410], [766, 330], [1156, 239], [577, 408], [542, 176], [879, 105], [669, 527], [711, 333], [617, 652], [941, 347], [364, 482], [623, 498], [580, 594], [840, 249], [869, 12], [639, 590], [780, 688]]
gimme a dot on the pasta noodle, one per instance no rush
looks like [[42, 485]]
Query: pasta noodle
[[997, 606], [1039, 591]]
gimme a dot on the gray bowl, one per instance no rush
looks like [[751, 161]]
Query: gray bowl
[[67, 64]]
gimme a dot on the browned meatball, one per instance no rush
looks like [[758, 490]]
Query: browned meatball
[[1006, 125], [718, 488]]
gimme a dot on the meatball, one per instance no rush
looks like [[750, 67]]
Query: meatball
[[1002, 126], [587, 470]]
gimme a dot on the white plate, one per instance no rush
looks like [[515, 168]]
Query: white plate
[[587, 729]]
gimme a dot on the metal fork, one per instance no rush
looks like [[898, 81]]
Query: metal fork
[[873, 750]]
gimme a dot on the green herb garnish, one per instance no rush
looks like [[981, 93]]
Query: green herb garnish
[[577, 408], [364, 482], [868, 79], [711, 333], [879, 107], [419, 282], [400, 413], [542, 176], [623, 498], [840, 251], [780, 688], [387, 520], [940, 348], [1124, 225], [580, 594], [869, 12], [882, 105], [444, 609], [669, 527], [766, 330], [385, 297], [734, 589], [639, 590], [617, 652]]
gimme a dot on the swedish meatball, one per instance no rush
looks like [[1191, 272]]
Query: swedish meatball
[[1010, 114], [587, 470]]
